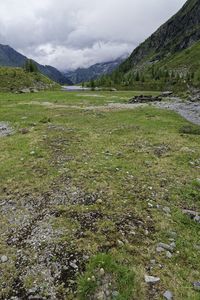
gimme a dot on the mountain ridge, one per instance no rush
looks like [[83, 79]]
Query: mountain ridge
[[178, 33], [168, 59], [94, 71], [9, 57]]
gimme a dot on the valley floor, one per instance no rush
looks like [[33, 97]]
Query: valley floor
[[96, 196]]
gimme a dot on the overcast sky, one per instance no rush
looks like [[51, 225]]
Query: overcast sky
[[77, 33]]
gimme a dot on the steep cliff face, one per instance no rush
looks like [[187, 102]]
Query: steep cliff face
[[177, 34]]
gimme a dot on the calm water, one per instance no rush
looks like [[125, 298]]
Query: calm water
[[74, 88]]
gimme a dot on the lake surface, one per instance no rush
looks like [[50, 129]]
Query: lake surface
[[71, 88]]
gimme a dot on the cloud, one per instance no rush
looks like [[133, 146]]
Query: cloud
[[69, 34]]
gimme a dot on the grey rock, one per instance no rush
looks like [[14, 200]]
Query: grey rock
[[33, 290], [151, 279], [166, 246], [167, 210], [166, 94], [196, 285], [168, 295], [120, 243], [23, 91], [101, 272], [159, 249], [168, 254], [115, 293], [190, 213], [197, 219], [173, 245], [34, 90], [36, 297], [73, 265], [153, 261], [5, 130], [4, 258], [100, 296]]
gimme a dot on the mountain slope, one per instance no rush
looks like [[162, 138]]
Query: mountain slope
[[94, 71], [168, 59], [17, 79], [11, 58], [177, 34]]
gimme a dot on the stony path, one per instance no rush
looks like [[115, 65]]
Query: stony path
[[188, 110]]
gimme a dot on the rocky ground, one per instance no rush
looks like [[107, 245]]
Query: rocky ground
[[5, 129], [187, 109], [133, 200]]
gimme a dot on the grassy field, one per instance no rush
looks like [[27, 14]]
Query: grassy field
[[86, 196]]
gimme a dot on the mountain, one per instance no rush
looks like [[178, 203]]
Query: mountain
[[170, 55], [11, 58], [94, 71]]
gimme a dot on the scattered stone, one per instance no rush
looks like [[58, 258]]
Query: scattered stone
[[100, 296], [168, 295], [4, 258], [173, 245], [33, 290], [159, 249], [101, 272], [73, 265], [5, 130], [33, 90], [115, 293], [167, 247], [99, 201], [166, 94], [192, 215], [151, 279], [120, 243], [168, 254], [167, 210], [23, 91], [153, 261], [144, 99], [197, 219], [196, 285]]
